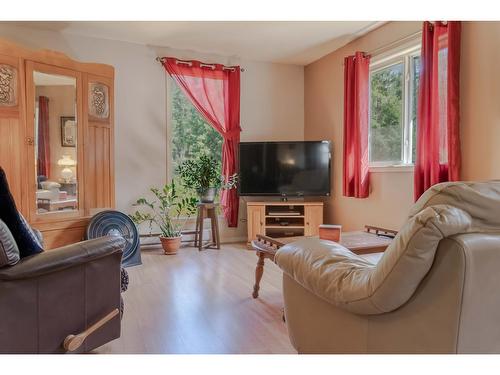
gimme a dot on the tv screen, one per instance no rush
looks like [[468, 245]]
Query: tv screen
[[285, 168]]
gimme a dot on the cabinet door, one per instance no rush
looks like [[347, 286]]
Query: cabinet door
[[313, 219], [11, 119], [99, 151], [256, 217]]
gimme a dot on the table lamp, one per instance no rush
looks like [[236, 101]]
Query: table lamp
[[67, 163]]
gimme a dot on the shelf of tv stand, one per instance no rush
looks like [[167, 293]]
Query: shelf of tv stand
[[306, 223], [283, 216], [285, 226]]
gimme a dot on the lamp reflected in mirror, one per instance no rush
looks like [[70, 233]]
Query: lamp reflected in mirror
[[66, 173]]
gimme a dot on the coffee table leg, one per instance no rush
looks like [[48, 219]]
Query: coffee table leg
[[259, 270]]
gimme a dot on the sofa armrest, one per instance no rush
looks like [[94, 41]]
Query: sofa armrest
[[63, 257], [323, 267]]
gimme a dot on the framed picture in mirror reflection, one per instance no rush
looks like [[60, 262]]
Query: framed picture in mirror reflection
[[68, 131]]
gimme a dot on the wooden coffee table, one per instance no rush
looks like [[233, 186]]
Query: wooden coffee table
[[372, 240]]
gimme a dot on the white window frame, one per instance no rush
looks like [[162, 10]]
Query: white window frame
[[168, 83], [403, 54]]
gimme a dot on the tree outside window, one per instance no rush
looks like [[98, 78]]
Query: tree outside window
[[386, 114], [393, 103], [191, 135]]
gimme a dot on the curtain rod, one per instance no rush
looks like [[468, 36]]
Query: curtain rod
[[379, 50], [402, 40], [187, 62]]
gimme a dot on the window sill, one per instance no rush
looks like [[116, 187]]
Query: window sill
[[391, 168]]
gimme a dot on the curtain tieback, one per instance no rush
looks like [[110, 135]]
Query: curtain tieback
[[232, 134]]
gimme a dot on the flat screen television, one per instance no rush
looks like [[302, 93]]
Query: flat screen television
[[285, 168]]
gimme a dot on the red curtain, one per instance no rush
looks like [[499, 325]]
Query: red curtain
[[356, 178], [438, 134], [215, 92], [43, 149]]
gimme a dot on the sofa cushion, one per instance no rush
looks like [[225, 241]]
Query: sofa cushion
[[24, 236], [9, 252]]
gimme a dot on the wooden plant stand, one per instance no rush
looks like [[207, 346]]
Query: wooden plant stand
[[207, 210]]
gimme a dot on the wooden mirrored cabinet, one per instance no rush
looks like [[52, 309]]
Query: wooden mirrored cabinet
[[56, 139]]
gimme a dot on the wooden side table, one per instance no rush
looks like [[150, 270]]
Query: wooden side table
[[207, 210]]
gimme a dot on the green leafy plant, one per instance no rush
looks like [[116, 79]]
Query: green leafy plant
[[169, 211], [201, 173]]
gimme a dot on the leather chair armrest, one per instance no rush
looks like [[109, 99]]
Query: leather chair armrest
[[63, 257], [323, 267]]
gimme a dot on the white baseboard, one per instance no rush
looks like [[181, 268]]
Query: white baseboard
[[189, 239]]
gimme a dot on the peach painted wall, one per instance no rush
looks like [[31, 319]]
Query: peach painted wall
[[480, 100], [392, 192]]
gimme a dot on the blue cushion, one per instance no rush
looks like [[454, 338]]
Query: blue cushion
[[23, 235]]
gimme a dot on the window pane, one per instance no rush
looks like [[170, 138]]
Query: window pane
[[386, 130], [415, 77], [191, 135]]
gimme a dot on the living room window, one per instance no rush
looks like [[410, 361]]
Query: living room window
[[393, 102], [189, 134]]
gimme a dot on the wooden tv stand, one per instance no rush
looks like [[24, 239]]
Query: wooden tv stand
[[283, 219]]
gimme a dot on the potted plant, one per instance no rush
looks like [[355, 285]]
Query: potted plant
[[169, 211], [203, 175]]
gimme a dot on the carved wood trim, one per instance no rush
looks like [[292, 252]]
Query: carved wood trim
[[8, 86], [98, 101]]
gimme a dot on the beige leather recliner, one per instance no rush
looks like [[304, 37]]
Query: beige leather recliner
[[436, 289]]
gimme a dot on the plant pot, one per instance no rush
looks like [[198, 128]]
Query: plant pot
[[207, 195], [170, 244]]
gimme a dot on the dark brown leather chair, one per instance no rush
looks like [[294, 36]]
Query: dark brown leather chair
[[49, 296]]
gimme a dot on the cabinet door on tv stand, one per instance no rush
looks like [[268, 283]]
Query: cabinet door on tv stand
[[313, 217], [256, 217]]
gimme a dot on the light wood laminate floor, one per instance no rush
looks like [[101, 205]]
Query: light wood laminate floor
[[200, 302]]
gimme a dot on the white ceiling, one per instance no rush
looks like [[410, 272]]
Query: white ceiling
[[290, 42]]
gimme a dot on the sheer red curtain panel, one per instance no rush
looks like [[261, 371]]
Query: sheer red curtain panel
[[356, 177], [438, 134], [214, 90]]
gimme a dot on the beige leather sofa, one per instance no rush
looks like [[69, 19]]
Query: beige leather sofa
[[436, 289]]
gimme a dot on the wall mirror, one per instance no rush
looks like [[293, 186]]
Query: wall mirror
[[55, 143]]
